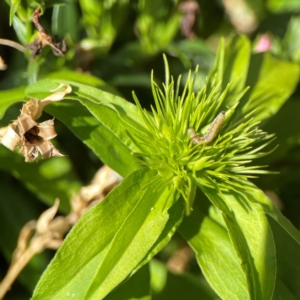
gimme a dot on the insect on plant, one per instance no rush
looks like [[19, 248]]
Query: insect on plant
[[210, 134]]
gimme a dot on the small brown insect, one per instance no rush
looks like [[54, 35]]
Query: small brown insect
[[210, 134]]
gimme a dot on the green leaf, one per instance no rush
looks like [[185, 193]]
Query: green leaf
[[48, 179], [21, 30], [287, 133], [291, 39], [288, 259], [136, 287], [105, 144], [269, 259], [252, 238], [109, 241], [236, 64], [287, 243], [10, 97], [83, 78], [89, 96], [156, 27], [107, 132], [271, 82], [33, 68], [65, 20], [281, 6], [176, 213], [13, 9], [215, 254]]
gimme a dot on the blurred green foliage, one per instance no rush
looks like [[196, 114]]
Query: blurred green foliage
[[114, 45]]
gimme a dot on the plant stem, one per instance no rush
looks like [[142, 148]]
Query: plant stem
[[14, 270], [12, 44]]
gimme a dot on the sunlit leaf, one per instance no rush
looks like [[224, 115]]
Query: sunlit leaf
[[109, 241]]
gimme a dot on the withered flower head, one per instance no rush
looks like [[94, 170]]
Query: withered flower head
[[44, 39], [33, 137]]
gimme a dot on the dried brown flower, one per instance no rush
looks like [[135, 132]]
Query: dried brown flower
[[43, 39], [33, 137]]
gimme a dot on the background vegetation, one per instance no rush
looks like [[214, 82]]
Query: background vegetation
[[114, 46]]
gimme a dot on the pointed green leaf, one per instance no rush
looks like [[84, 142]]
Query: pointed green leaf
[[106, 145], [236, 63], [13, 9], [105, 129], [176, 213], [252, 238], [288, 259], [21, 30], [215, 254], [10, 97], [271, 82], [108, 242], [287, 243]]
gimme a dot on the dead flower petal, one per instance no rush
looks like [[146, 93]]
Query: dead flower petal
[[25, 123], [29, 151], [46, 217], [3, 66], [46, 130], [55, 152], [31, 108], [33, 137], [34, 107], [53, 98], [10, 139], [48, 150]]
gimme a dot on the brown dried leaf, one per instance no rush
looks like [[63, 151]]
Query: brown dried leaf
[[46, 217], [3, 66], [53, 97], [31, 108], [9, 138], [48, 150], [23, 239], [43, 39], [46, 130]]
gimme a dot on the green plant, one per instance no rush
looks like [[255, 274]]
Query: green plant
[[245, 247]]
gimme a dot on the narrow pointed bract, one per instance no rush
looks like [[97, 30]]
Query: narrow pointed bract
[[198, 134]]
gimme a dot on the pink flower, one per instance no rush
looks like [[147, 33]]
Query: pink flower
[[263, 44]]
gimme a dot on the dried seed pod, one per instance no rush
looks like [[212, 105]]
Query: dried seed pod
[[210, 134]]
